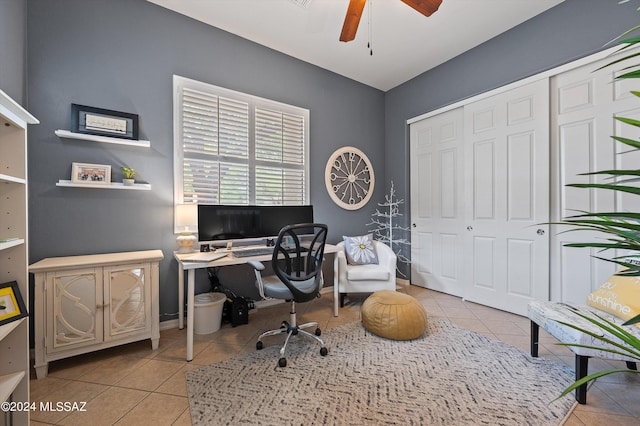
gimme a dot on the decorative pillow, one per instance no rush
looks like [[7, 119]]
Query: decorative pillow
[[619, 296], [360, 250]]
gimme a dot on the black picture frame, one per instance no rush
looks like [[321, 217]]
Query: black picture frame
[[12, 306], [103, 122]]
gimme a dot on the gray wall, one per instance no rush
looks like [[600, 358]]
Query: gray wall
[[13, 31], [571, 30], [121, 55]]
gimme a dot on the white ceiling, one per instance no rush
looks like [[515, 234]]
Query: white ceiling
[[405, 43]]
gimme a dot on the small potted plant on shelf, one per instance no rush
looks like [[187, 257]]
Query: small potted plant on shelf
[[129, 174]]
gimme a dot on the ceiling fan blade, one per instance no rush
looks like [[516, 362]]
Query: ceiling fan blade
[[426, 7], [352, 19]]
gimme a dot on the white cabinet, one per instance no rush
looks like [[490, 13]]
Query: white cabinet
[[14, 336], [87, 303]]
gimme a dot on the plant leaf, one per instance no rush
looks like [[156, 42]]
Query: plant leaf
[[590, 377]]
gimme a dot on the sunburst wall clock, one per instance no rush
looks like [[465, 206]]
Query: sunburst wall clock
[[349, 178]]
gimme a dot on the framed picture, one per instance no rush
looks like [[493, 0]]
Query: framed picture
[[103, 122], [11, 304], [91, 173]]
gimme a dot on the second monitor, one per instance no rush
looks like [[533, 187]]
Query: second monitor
[[218, 223]]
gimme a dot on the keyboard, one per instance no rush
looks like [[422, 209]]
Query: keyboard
[[253, 251]]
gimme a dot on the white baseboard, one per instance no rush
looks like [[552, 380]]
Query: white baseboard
[[403, 281], [168, 325]]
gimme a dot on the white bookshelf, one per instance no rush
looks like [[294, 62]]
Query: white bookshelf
[[14, 336]]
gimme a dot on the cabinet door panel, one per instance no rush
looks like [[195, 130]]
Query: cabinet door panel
[[75, 298], [127, 291]]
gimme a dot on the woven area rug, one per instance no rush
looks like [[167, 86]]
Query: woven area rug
[[450, 376]]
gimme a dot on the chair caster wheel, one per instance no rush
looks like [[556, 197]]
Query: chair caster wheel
[[318, 331], [282, 362], [259, 345], [324, 351]]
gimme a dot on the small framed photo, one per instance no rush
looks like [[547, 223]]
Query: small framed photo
[[11, 304], [103, 122], [99, 174]]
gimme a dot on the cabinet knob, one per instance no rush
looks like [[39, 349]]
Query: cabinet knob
[[469, 228]]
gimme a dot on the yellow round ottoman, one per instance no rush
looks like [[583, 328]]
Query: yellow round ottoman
[[394, 315]]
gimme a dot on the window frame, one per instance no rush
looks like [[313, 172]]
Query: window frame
[[180, 83]]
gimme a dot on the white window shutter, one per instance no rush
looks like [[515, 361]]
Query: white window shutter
[[238, 149], [279, 148]]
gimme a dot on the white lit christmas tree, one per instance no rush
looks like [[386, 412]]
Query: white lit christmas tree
[[388, 231]]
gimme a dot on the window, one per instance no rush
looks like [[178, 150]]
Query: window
[[233, 148]]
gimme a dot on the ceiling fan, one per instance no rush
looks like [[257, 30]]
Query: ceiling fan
[[354, 12]]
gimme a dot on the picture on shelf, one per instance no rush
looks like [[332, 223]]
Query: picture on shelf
[[91, 173], [103, 122], [12, 306]]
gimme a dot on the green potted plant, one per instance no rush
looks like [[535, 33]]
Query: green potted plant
[[128, 174]]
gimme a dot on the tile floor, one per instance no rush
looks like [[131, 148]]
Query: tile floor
[[133, 385]]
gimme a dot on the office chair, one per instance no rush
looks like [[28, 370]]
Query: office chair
[[297, 264]]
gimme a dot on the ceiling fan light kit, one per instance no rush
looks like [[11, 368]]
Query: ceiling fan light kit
[[354, 13]]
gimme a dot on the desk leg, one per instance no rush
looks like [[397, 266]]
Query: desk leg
[[191, 275], [180, 296]]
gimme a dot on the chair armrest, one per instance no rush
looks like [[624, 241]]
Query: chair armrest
[[256, 264], [339, 268], [258, 267], [386, 256]]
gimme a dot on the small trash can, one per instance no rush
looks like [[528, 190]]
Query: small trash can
[[208, 312]]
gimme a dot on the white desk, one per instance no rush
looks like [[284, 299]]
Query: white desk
[[191, 267]]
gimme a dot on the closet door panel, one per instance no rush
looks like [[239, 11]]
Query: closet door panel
[[577, 154], [507, 147], [436, 202], [584, 102], [520, 196], [626, 159], [484, 180]]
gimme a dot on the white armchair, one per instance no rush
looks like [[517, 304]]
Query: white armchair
[[362, 278]]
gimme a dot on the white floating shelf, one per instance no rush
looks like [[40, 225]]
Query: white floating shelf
[[94, 138], [9, 383], [112, 185], [8, 244], [8, 178]]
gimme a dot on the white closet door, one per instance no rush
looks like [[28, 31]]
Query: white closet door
[[436, 202], [506, 246], [584, 102]]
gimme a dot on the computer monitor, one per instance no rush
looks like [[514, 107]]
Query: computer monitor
[[225, 222]]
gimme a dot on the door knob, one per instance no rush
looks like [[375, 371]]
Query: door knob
[[540, 232], [414, 225]]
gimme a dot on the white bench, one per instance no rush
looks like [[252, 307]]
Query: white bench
[[548, 315]]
